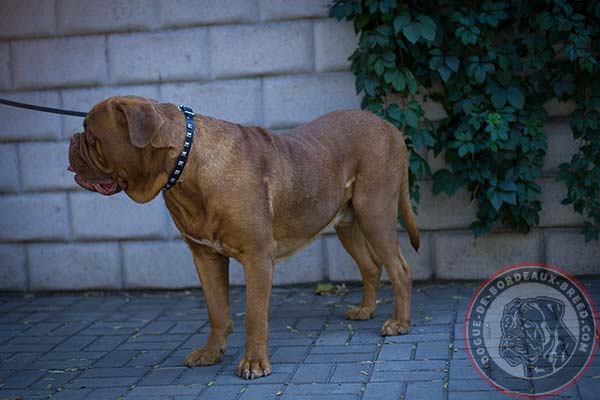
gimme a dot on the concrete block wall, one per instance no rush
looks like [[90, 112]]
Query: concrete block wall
[[277, 63]]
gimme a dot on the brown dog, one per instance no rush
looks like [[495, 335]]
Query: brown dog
[[258, 197]]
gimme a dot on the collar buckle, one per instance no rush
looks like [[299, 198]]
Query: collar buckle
[[188, 112]]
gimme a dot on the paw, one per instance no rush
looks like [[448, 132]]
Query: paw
[[204, 356], [360, 313], [254, 368], [393, 327]]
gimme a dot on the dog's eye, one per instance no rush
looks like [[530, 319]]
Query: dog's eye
[[90, 138]]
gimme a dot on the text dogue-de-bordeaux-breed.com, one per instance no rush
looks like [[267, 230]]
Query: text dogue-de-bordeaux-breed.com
[[255, 196]]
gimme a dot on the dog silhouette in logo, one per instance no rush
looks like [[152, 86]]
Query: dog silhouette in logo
[[535, 336]]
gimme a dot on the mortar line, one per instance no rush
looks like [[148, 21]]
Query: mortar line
[[446, 390]]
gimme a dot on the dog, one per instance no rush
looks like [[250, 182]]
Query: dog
[[258, 197]]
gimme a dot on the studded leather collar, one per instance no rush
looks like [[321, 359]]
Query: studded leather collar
[[187, 146]]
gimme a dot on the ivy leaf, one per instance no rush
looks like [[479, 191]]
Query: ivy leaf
[[444, 73], [395, 113], [507, 186], [515, 97], [370, 86], [379, 67], [498, 99], [510, 198], [396, 78], [426, 27], [400, 22], [412, 32], [412, 84], [435, 62], [361, 21], [463, 150], [496, 200], [445, 181], [412, 117], [590, 232], [453, 63], [386, 5]]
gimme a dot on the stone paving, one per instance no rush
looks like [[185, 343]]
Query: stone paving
[[132, 345]]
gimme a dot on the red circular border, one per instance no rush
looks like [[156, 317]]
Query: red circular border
[[596, 333]]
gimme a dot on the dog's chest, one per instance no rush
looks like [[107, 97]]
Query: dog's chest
[[213, 244]]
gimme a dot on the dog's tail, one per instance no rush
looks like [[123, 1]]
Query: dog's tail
[[406, 211]]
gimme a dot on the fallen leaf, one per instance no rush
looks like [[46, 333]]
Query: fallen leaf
[[324, 288], [327, 289]]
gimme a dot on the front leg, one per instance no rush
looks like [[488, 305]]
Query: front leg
[[213, 270], [258, 272]]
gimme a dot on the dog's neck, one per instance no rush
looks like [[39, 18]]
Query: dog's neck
[[183, 155]]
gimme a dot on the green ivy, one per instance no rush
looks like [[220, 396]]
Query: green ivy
[[492, 65]]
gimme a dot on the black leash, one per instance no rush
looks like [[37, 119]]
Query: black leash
[[43, 109]]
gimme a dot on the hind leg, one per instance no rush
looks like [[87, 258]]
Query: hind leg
[[376, 217], [356, 245]]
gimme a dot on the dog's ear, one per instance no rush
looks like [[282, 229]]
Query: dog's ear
[[146, 123]]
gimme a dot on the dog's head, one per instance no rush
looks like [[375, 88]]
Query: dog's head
[[126, 144], [533, 332]]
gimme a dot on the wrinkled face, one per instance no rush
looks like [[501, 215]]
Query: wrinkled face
[[521, 336], [123, 147], [532, 329]]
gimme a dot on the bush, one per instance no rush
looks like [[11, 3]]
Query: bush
[[492, 65]]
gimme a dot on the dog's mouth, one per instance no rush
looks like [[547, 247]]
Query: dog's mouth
[[107, 186]]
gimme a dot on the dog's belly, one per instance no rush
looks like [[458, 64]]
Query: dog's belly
[[287, 247], [290, 244]]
